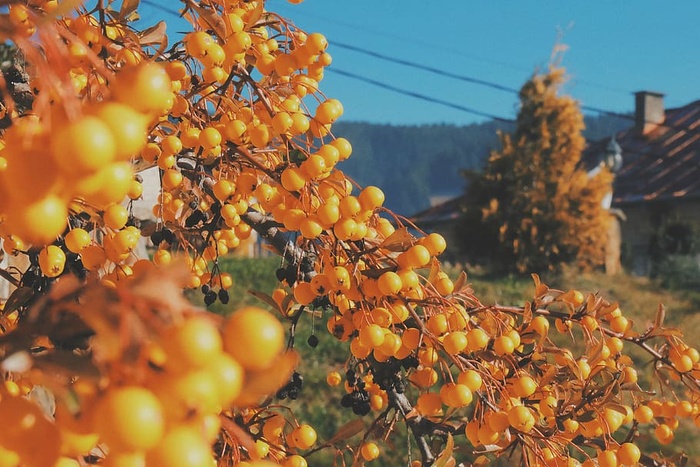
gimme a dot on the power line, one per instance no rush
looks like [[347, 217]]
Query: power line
[[465, 78], [437, 71], [416, 95], [481, 82], [456, 52], [430, 69]]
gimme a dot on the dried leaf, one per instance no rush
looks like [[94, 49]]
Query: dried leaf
[[44, 398], [267, 299], [434, 270], [128, 7], [461, 281], [660, 316], [155, 35], [665, 332], [446, 455], [19, 298], [211, 17], [617, 408], [286, 303], [400, 240], [347, 431]]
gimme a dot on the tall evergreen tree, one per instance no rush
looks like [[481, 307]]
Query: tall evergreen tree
[[535, 207]]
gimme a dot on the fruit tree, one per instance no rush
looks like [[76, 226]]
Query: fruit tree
[[104, 362]]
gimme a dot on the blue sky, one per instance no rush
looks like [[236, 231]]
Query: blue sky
[[614, 49]]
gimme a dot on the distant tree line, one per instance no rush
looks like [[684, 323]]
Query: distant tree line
[[413, 163]]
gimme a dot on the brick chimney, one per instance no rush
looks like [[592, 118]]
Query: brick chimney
[[648, 111]]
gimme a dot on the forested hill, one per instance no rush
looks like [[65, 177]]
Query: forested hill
[[413, 163]]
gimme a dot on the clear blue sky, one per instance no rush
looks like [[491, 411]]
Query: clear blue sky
[[615, 49]]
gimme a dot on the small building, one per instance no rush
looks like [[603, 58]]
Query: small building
[[656, 192], [657, 180], [443, 217]]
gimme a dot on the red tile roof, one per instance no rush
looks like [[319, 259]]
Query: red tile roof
[[664, 164], [444, 212]]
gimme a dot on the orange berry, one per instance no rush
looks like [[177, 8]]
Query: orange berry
[[607, 458], [521, 418], [129, 418], [503, 345], [303, 436], [424, 377], [191, 344], [334, 378], [93, 257], [455, 342], [83, 146], [523, 386], [52, 260], [372, 335], [371, 198], [115, 216], [294, 461], [40, 221], [146, 87], [254, 337], [437, 324], [369, 451], [293, 179], [329, 111], [77, 239], [182, 446], [664, 434], [209, 137], [471, 379], [127, 126], [389, 283], [229, 375], [628, 454], [477, 339]]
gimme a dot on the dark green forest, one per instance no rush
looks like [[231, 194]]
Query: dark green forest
[[414, 163]]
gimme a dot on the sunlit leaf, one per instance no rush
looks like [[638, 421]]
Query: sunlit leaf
[[400, 240], [128, 7], [446, 454]]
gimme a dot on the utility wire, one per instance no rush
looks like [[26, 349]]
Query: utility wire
[[439, 72], [416, 95], [481, 82], [424, 44], [465, 78], [419, 66]]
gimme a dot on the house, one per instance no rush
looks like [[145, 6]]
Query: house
[[657, 179], [656, 193], [444, 218]]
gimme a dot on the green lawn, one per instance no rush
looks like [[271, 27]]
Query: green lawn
[[319, 404]]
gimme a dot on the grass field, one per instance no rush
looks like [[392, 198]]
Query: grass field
[[638, 297]]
